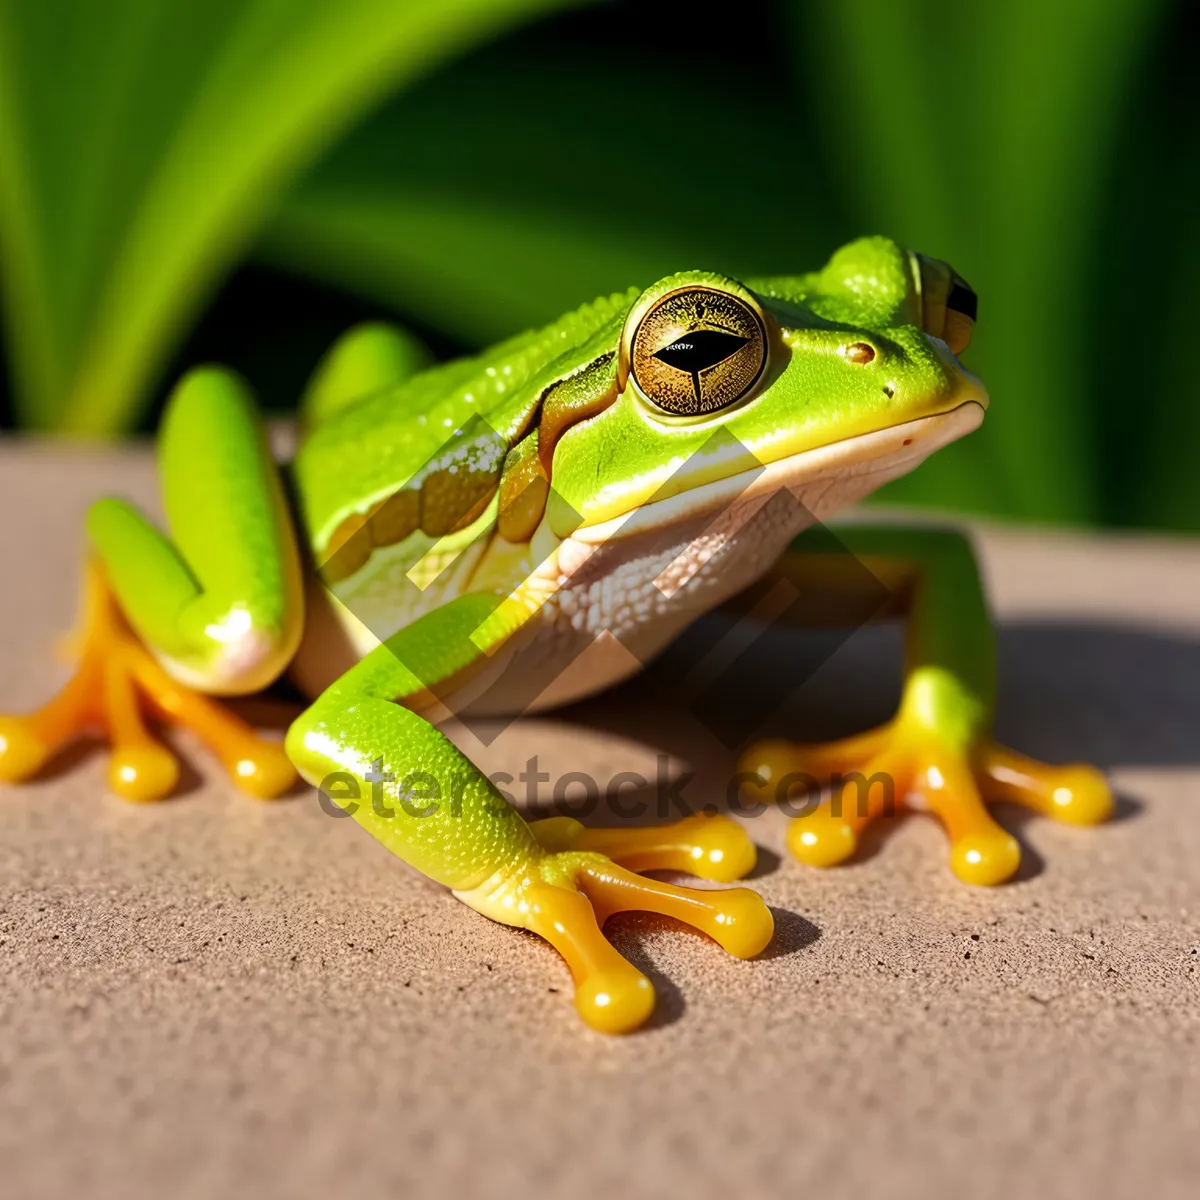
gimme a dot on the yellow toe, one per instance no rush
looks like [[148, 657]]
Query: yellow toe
[[143, 773], [264, 771], [985, 859], [722, 851], [615, 1001], [820, 840], [1081, 796], [22, 752], [743, 925]]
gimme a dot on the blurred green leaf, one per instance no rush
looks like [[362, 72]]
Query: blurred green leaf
[[507, 190], [141, 144], [984, 134]]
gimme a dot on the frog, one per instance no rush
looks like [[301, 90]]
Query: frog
[[447, 536]]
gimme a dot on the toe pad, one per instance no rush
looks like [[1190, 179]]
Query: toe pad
[[22, 752]]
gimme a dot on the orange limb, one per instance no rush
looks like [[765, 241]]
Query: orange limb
[[900, 766], [115, 674]]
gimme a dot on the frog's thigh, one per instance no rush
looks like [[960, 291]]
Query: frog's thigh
[[937, 753], [413, 790], [218, 607]]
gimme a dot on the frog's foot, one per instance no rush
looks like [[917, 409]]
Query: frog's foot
[[568, 895], [113, 674], [900, 765]]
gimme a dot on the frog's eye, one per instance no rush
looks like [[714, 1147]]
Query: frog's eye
[[948, 303], [696, 350]]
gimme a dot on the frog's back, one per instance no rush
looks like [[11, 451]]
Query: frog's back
[[392, 441]]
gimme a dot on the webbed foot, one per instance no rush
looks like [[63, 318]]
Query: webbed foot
[[114, 674], [567, 895], [904, 765]]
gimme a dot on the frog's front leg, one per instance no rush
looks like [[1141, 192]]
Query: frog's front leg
[[413, 790], [937, 752], [217, 609]]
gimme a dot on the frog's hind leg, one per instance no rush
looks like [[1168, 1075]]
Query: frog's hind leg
[[217, 610], [937, 753], [410, 787]]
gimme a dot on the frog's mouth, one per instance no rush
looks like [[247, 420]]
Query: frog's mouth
[[823, 479]]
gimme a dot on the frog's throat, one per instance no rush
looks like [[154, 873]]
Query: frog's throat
[[854, 467]]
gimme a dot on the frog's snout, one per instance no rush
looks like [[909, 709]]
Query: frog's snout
[[947, 302]]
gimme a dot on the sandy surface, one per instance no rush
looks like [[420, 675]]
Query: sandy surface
[[215, 996]]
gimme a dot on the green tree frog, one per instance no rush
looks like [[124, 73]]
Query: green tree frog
[[445, 536]]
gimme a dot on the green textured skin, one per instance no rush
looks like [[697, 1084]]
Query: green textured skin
[[382, 427], [371, 448], [609, 465]]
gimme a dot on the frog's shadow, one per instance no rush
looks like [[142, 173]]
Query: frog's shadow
[[793, 933], [1102, 692], [1093, 691]]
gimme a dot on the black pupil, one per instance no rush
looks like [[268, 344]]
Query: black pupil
[[963, 300], [697, 351]]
